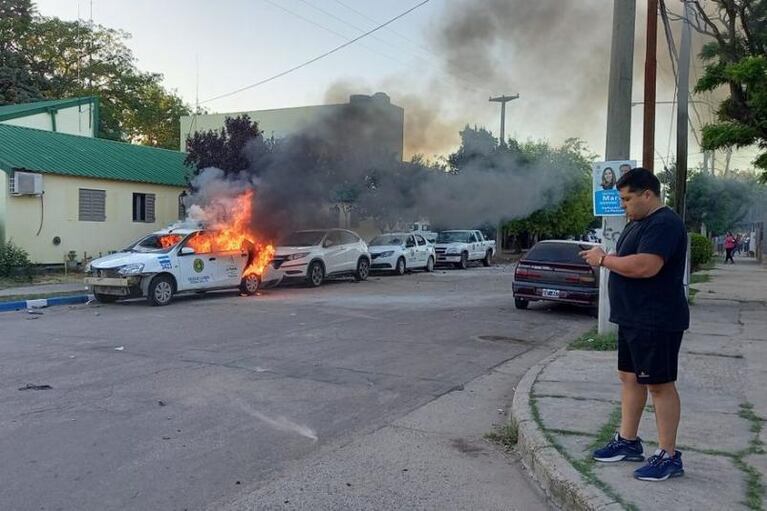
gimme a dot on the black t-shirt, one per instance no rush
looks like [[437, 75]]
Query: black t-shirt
[[657, 302]]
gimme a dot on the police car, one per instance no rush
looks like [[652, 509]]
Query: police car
[[168, 262]]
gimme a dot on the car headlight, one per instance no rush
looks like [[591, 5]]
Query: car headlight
[[293, 257], [131, 269], [388, 253]]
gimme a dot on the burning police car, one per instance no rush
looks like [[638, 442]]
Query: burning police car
[[173, 261]]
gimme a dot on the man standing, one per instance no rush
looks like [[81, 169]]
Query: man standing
[[648, 303]]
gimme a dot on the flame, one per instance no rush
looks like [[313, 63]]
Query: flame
[[230, 229], [170, 240]]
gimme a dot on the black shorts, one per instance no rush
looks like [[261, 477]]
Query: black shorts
[[653, 355]]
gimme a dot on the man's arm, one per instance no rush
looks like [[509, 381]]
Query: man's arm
[[635, 266]]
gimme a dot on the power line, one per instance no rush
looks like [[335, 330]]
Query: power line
[[319, 57]]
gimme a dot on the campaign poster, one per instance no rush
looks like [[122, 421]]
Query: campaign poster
[[605, 175]]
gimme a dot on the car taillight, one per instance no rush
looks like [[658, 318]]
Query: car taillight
[[580, 279], [525, 273]]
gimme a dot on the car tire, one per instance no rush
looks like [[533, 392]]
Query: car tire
[[315, 275], [363, 269], [488, 260], [400, 267], [464, 261], [430, 265], [249, 284], [160, 290], [521, 304], [102, 298]]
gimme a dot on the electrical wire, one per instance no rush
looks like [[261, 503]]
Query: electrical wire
[[319, 57]]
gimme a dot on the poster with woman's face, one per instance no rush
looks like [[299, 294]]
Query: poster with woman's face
[[605, 176]]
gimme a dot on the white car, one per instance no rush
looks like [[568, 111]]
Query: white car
[[168, 262], [317, 254], [459, 247], [401, 252]]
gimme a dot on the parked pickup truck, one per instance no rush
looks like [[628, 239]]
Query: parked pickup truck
[[461, 247]]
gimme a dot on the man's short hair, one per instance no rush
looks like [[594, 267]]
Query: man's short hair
[[638, 180]]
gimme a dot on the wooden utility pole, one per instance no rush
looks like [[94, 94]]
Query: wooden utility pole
[[618, 146], [682, 134], [503, 100], [650, 67]]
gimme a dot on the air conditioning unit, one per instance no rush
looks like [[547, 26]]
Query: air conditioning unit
[[26, 183]]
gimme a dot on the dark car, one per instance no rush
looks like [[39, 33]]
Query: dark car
[[554, 271]]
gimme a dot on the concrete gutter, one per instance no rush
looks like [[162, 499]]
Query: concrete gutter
[[40, 303], [553, 472]]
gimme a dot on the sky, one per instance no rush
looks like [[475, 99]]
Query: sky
[[441, 62]]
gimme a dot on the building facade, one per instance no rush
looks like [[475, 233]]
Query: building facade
[[373, 119]]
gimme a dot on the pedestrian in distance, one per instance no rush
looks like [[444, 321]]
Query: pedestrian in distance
[[649, 305], [729, 247]]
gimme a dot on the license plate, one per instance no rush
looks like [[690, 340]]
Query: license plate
[[550, 293]]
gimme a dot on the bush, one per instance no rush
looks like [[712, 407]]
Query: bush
[[700, 250], [14, 261]]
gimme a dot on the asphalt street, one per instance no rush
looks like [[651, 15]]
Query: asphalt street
[[220, 401]]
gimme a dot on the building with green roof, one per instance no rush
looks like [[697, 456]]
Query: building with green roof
[[76, 116], [63, 193]]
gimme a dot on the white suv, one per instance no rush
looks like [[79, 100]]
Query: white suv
[[318, 254]]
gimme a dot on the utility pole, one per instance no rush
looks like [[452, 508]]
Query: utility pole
[[618, 145], [682, 113], [503, 100], [650, 68]]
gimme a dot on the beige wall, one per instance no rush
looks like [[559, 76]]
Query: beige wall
[[76, 120], [3, 199], [23, 215]]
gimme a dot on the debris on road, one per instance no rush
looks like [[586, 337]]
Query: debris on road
[[120, 348], [161, 403], [30, 386]]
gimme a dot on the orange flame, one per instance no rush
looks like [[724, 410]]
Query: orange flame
[[234, 233]]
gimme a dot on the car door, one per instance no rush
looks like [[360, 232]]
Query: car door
[[411, 252], [352, 250], [200, 269], [423, 250], [335, 253]]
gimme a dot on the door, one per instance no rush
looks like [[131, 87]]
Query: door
[[422, 251], [411, 252], [198, 270], [229, 267], [335, 253], [352, 252]]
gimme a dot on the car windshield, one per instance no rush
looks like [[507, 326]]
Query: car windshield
[[453, 237], [387, 239], [156, 243], [302, 239], [567, 253]]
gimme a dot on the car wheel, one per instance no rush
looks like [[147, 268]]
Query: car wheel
[[430, 264], [249, 284], [400, 268], [315, 275], [464, 261], [363, 269], [521, 304], [160, 290], [488, 260], [102, 298]]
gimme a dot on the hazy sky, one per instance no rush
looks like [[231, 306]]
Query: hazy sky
[[441, 62]]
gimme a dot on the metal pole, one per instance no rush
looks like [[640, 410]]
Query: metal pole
[[650, 67], [682, 113], [618, 145], [503, 100]]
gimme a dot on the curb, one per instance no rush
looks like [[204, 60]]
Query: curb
[[43, 302], [553, 472]]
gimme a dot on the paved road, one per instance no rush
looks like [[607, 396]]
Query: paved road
[[215, 400]]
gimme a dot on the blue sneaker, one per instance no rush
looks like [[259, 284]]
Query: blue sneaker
[[620, 449], [660, 467]]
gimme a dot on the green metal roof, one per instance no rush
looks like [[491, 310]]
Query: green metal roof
[[24, 109], [72, 155]]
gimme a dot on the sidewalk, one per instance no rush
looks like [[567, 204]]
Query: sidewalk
[[42, 295], [570, 403]]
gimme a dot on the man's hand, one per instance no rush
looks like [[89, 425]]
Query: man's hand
[[593, 256]]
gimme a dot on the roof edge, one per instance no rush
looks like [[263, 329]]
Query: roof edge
[[47, 106]]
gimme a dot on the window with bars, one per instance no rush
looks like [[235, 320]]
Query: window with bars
[[92, 205], [143, 207]]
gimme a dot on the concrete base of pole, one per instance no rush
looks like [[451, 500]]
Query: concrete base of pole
[[612, 227]]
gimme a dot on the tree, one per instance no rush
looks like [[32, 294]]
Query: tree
[[719, 203], [226, 148], [18, 84], [736, 59]]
